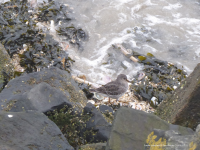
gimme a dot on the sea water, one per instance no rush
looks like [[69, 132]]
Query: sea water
[[169, 29]]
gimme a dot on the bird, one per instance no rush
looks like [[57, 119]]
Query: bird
[[114, 89]]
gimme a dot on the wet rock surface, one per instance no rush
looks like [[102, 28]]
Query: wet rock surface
[[183, 107], [30, 130], [131, 127], [42, 91]]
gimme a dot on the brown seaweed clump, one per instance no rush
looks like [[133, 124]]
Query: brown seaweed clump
[[36, 48]]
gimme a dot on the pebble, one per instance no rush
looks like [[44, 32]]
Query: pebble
[[91, 101]]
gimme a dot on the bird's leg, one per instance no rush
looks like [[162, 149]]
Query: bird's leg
[[109, 99]]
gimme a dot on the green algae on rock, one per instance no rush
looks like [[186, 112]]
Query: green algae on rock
[[71, 124]]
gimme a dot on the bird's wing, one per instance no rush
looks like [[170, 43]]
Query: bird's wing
[[111, 89]]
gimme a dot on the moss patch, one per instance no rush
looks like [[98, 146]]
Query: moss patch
[[72, 125]]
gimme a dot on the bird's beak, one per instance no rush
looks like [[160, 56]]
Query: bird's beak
[[128, 81]]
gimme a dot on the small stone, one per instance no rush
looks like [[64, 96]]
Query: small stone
[[91, 101]]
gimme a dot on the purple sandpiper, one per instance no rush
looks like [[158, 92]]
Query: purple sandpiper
[[114, 89]]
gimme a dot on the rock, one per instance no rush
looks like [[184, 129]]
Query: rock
[[91, 101], [30, 130], [97, 125], [183, 107], [173, 140], [195, 141], [5, 66], [107, 113], [96, 146], [42, 91], [131, 128], [168, 140], [42, 98], [105, 109]]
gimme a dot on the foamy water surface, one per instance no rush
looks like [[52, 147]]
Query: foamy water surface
[[169, 29]]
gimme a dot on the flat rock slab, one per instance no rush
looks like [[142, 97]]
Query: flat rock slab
[[30, 131], [131, 128], [42, 91], [183, 107]]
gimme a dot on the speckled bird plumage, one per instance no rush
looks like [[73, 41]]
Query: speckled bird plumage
[[114, 89]]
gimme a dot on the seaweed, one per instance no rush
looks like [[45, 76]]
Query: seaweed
[[58, 13], [72, 125], [53, 11], [18, 27], [161, 78], [74, 35]]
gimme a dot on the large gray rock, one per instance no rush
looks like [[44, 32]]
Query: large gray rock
[[42, 98], [30, 130], [42, 91], [182, 108], [131, 128]]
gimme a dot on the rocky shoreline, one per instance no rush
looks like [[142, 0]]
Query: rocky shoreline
[[42, 107], [26, 99]]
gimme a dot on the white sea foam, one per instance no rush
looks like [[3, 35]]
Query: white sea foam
[[163, 23], [173, 6], [169, 29]]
